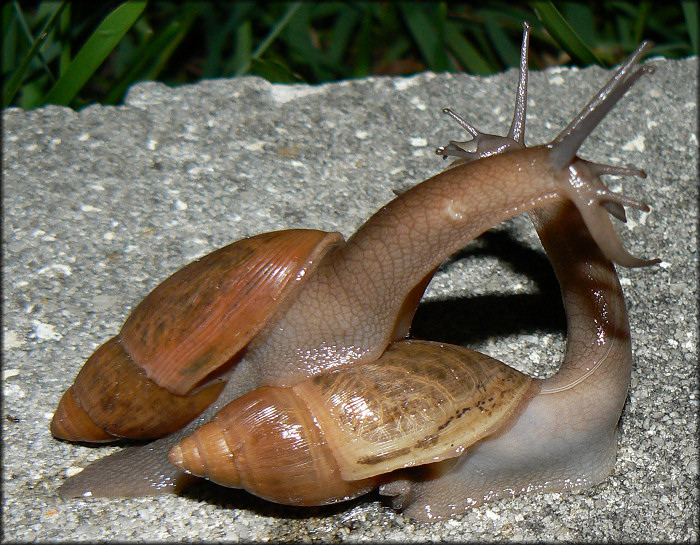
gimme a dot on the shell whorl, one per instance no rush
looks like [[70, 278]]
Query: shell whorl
[[268, 443], [112, 398]]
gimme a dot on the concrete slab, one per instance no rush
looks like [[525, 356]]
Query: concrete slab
[[101, 205]]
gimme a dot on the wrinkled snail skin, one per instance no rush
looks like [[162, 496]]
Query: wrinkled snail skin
[[351, 312]]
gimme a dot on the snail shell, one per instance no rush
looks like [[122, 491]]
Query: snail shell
[[168, 362], [332, 436]]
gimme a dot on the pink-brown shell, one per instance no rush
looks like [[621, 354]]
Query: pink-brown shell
[[335, 432], [161, 370]]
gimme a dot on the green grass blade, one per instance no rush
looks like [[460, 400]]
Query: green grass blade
[[270, 37], [640, 22], [10, 41], [690, 12], [64, 25], [425, 35], [564, 34], [342, 33], [506, 49], [185, 19], [274, 71], [143, 58], [363, 46], [302, 49], [581, 17], [7, 18], [468, 55], [13, 85], [242, 51], [30, 38], [98, 46], [220, 32]]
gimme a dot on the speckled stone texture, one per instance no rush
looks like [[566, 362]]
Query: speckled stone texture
[[101, 205]]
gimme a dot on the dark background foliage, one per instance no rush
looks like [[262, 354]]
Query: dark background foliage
[[80, 53]]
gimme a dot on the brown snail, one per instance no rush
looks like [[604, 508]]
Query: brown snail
[[346, 318]]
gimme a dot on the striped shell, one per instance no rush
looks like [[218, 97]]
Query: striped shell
[[332, 436], [168, 362]]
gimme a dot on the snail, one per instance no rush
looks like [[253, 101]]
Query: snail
[[319, 395]]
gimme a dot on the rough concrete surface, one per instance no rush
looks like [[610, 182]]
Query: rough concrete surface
[[101, 205]]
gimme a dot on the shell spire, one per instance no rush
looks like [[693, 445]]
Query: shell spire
[[268, 443]]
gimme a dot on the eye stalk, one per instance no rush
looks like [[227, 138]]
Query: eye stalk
[[484, 144], [567, 143]]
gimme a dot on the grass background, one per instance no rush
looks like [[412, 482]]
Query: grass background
[[78, 53]]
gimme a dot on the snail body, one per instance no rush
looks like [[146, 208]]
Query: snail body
[[341, 327], [566, 435]]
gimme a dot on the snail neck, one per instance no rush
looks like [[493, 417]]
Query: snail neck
[[401, 245], [363, 294], [415, 232], [598, 352], [380, 274]]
